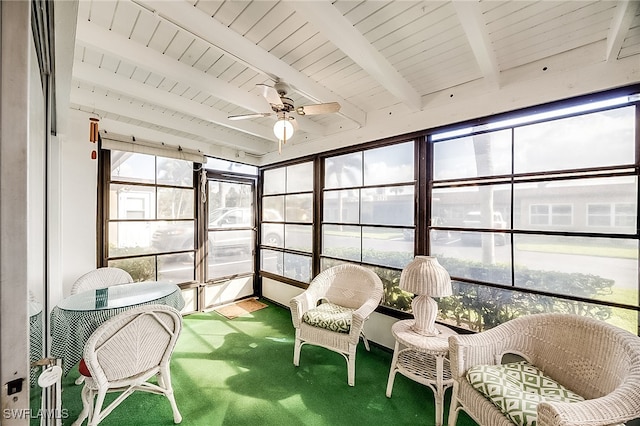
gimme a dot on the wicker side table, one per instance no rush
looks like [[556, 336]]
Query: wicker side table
[[423, 359]]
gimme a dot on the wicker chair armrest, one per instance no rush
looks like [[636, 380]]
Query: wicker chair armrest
[[467, 350], [615, 408], [301, 304]]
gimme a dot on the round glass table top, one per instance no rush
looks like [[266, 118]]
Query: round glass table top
[[117, 296]]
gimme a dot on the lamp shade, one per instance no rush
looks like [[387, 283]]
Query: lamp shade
[[425, 276], [283, 129]]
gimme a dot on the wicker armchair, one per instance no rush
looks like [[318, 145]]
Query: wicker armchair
[[124, 353], [598, 361], [353, 287], [100, 278]]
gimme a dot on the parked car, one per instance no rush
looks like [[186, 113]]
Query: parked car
[[230, 230], [473, 219]]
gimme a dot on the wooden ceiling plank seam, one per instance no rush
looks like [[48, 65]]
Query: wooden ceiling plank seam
[[572, 39], [265, 25], [498, 10], [289, 44], [341, 32], [348, 6], [624, 15], [230, 41], [434, 46], [427, 27], [316, 49], [103, 40], [527, 17], [380, 26], [377, 15], [401, 26], [229, 11], [366, 11], [471, 19], [250, 16], [547, 21]]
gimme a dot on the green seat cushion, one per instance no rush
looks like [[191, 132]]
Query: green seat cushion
[[517, 388], [329, 316]]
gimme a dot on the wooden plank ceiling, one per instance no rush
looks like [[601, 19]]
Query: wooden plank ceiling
[[181, 68]]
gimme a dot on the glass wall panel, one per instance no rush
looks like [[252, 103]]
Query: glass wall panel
[[486, 154], [173, 235], [131, 167], [273, 234], [392, 205], [298, 237], [300, 177], [176, 268], [473, 206], [299, 208], [171, 171], [175, 203], [389, 164], [297, 267], [342, 241], [342, 206], [131, 238], [343, 171], [485, 263], [140, 268], [273, 208], [230, 166], [274, 181], [599, 139], [587, 205], [230, 253], [386, 247], [589, 267], [272, 261], [132, 201]]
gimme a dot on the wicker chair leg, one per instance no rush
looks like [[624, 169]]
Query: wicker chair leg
[[296, 352], [365, 341], [454, 406], [87, 407]]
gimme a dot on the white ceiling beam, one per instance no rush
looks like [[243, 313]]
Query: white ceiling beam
[[121, 84], [335, 27], [112, 43], [148, 115], [620, 24], [184, 15], [470, 17]]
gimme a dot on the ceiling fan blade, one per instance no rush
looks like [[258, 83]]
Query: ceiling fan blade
[[246, 116], [271, 95], [318, 108]]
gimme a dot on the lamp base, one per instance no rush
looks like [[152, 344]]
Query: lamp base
[[425, 310]]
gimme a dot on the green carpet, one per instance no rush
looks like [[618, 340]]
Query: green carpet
[[241, 372]]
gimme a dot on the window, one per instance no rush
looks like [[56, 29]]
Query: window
[[151, 217], [287, 221], [368, 210], [548, 207]]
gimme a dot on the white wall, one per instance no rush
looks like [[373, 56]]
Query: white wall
[[78, 208]]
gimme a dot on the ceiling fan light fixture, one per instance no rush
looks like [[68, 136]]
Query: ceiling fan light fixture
[[283, 129]]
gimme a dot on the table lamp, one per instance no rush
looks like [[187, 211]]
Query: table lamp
[[426, 278]]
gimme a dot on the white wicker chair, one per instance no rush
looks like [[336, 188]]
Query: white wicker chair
[[349, 286], [596, 360], [124, 353], [100, 278]]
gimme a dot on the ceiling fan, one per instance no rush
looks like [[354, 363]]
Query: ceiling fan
[[282, 107]]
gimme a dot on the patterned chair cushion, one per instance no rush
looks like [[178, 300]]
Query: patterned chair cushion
[[329, 316], [517, 388]]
